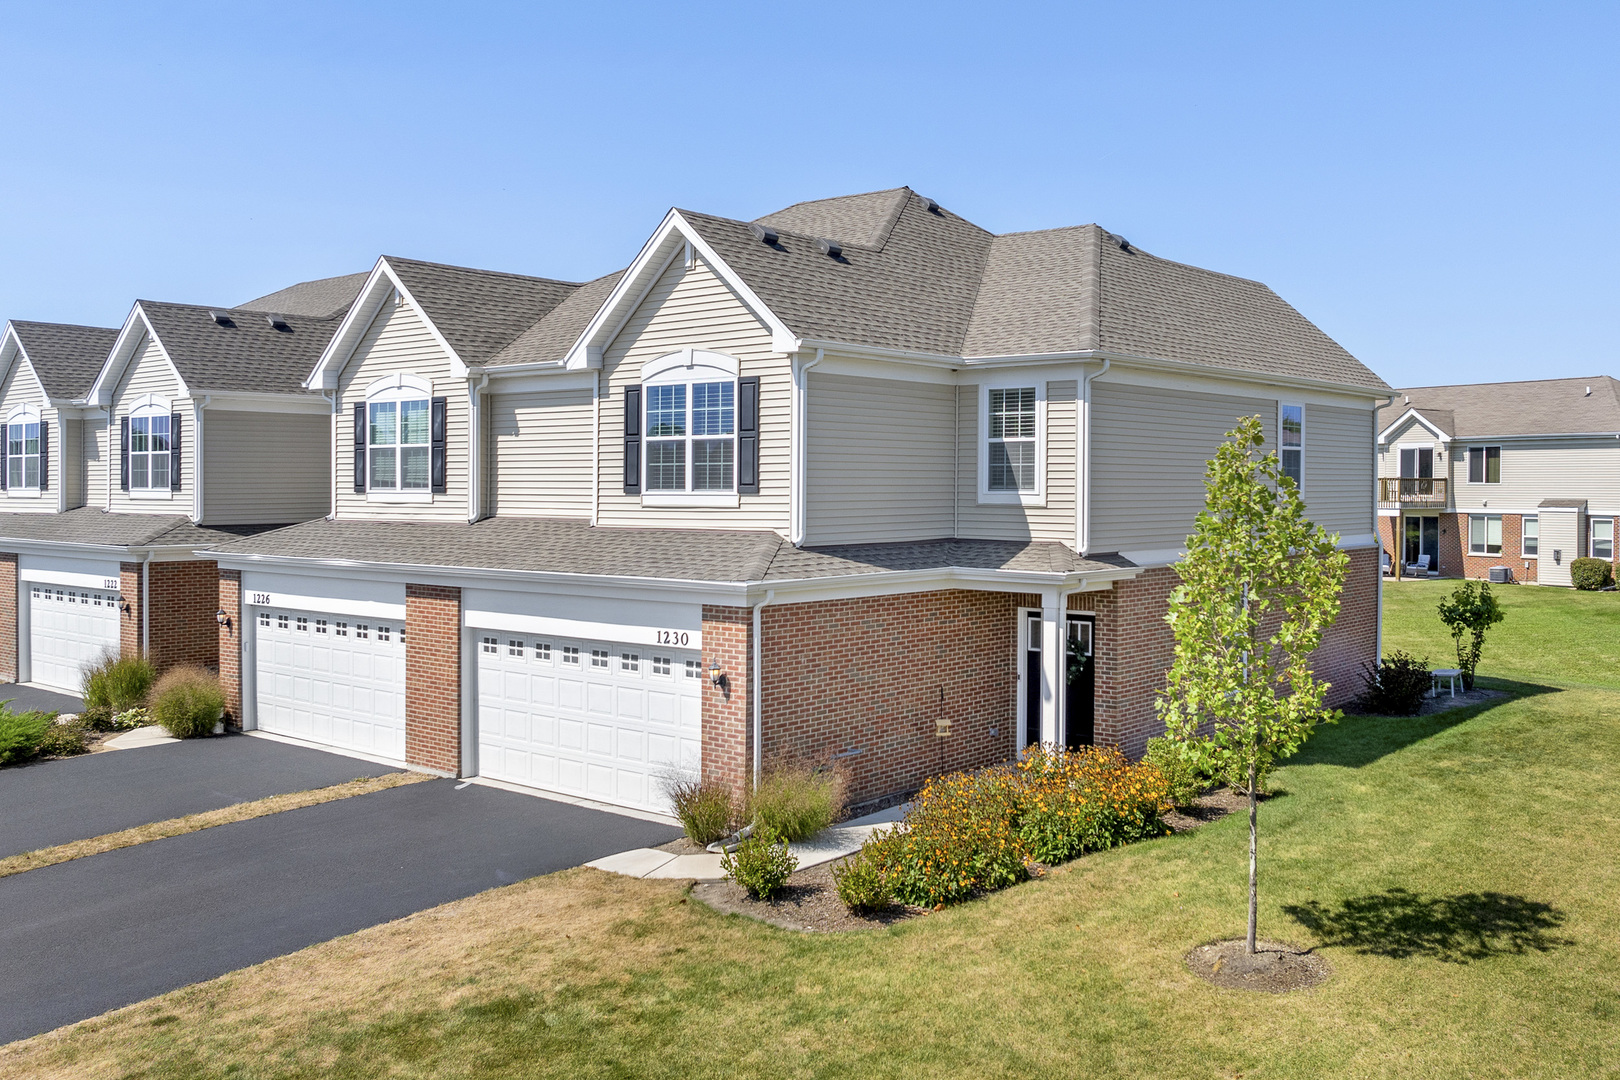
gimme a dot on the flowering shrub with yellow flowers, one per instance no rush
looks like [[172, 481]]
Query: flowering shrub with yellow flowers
[[972, 832]]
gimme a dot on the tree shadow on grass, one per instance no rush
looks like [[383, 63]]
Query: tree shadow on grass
[[1454, 929], [1359, 740]]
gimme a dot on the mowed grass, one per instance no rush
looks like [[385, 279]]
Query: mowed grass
[[1458, 870], [1551, 635]]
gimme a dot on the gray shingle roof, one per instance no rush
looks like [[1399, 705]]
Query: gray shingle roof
[[1536, 407], [855, 220], [552, 337], [1561, 504], [574, 547], [66, 358], [479, 311], [88, 525], [323, 298], [250, 355]]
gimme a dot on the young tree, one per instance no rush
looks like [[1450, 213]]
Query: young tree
[[1470, 610], [1259, 586]]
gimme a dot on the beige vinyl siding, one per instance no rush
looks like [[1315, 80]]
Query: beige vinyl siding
[[1543, 469], [150, 373], [67, 462], [1056, 521], [22, 387], [93, 447], [1412, 436], [879, 460], [265, 468], [540, 454], [695, 309], [1149, 449], [399, 340], [1338, 488], [1563, 531]]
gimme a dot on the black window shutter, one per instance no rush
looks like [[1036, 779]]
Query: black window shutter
[[174, 451], [44, 455], [360, 446], [748, 436], [5, 450], [438, 422], [123, 453], [632, 440]]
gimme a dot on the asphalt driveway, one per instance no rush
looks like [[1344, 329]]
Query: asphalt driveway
[[23, 698], [83, 937], [53, 802]]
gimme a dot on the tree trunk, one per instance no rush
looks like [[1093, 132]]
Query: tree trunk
[[1254, 852]]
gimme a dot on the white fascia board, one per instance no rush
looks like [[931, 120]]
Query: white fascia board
[[1411, 414], [164, 553], [250, 401], [352, 330], [129, 338], [666, 242], [11, 349], [1484, 440]]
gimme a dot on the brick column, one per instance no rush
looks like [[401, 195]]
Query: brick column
[[433, 678], [183, 597], [727, 739], [129, 621], [10, 597], [230, 644]]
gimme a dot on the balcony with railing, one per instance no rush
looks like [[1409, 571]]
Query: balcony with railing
[[1412, 493]]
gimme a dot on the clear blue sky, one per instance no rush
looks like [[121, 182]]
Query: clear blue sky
[[1435, 188]]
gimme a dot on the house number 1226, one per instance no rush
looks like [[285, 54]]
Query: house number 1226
[[260, 598]]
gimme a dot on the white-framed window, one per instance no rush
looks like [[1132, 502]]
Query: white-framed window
[[264, 620], [694, 669], [320, 626], [340, 629], [690, 417], [303, 625], [1485, 534], [383, 633], [399, 437], [149, 448], [630, 663], [542, 651], [599, 659], [514, 647], [660, 665], [570, 655], [1530, 535], [281, 622], [1012, 455], [1484, 464], [1602, 530], [491, 646], [22, 451], [361, 630], [1291, 442]]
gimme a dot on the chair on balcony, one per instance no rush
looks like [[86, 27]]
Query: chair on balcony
[[1419, 568]]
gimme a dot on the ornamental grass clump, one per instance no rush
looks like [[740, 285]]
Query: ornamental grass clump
[[188, 702], [796, 801], [116, 683], [703, 806]]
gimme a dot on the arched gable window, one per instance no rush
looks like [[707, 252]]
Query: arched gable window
[[25, 436], [399, 438], [694, 424]]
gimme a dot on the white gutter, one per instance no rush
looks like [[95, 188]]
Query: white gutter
[[596, 446], [1083, 540], [475, 448], [800, 448], [196, 458], [754, 685], [334, 444]]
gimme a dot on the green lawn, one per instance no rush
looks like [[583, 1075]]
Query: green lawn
[[1559, 637]]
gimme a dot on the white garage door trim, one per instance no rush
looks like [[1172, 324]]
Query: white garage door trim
[[68, 630], [590, 719], [331, 680]]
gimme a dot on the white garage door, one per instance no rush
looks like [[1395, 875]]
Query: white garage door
[[335, 680], [68, 630], [587, 718]]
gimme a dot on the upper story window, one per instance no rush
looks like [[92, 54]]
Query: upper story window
[[399, 443], [692, 431], [24, 469], [1291, 440], [149, 440], [1011, 454], [1602, 538], [1417, 462], [1484, 464]]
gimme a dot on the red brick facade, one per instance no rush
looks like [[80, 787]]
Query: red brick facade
[[727, 747], [129, 612], [183, 597], [230, 644], [8, 617], [433, 678]]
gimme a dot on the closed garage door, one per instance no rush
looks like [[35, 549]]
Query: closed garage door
[[334, 680], [68, 630], [587, 718]]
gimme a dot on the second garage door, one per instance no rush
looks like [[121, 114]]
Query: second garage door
[[331, 679], [587, 718], [68, 630]]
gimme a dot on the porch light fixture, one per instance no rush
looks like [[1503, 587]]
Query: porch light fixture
[[222, 618], [717, 674]]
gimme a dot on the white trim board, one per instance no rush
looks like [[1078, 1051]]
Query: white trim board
[[672, 637]]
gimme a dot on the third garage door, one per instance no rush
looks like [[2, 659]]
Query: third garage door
[[332, 679], [587, 718]]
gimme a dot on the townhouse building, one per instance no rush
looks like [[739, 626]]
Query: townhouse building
[[857, 482], [128, 450], [1520, 477]]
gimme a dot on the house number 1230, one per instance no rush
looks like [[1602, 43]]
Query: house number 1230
[[671, 637]]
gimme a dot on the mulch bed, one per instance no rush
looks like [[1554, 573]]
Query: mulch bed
[[1275, 968], [1207, 808], [809, 901]]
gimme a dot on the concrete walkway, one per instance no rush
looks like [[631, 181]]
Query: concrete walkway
[[827, 845], [151, 735]]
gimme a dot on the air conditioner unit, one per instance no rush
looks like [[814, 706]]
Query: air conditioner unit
[[1501, 575]]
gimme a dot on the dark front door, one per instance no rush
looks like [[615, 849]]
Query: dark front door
[[1422, 538], [1032, 679], [1079, 684]]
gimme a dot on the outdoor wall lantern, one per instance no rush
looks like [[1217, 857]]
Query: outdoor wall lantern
[[717, 674], [222, 618]]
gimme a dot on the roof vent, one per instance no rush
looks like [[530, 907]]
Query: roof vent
[[929, 204], [278, 322], [831, 248], [1588, 391], [222, 318], [763, 233], [1124, 244]]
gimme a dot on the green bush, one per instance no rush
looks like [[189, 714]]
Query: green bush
[[1396, 687], [704, 807], [118, 682], [21, 733], [1185, 779], [863, 881], [188, 702], [65, 740], [761, 864], [797, 801], [1591, 574]]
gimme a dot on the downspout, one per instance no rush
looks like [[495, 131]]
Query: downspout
[[61, 457], [801, 448], [1395, 537], [109, 456], [755, 686], [197, 458], [475, 449], [596, 445], [146, 601], [333, 400], [1083, 541]]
